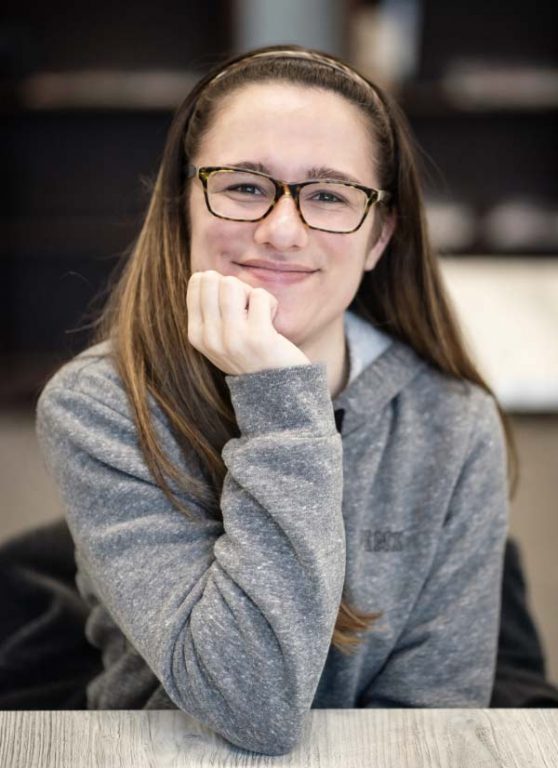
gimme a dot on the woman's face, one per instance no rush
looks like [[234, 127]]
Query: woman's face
[[292, 133]]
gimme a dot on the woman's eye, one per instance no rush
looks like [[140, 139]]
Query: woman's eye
[[327, 197], [247, 189]]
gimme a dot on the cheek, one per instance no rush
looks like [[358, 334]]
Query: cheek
[[211, 239], [348, 263], [200, 223]]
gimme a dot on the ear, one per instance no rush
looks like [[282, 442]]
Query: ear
[[379, 246]]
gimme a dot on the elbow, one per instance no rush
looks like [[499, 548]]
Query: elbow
[[279, 748], [260, 714], [268, 730], [271, 741], [277, 726]]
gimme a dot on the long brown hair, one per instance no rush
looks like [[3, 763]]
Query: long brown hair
[[146, 315]]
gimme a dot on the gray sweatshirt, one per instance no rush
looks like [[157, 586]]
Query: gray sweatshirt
[[403, 512]]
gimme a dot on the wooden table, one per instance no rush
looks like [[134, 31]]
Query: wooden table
[[418, 738]]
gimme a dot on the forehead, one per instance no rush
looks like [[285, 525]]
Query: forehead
[[288, 128]]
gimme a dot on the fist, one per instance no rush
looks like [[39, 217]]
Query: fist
[[231, 323]]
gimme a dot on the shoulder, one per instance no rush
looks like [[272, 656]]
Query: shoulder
[[445, 401], [93, 374], [85, 406], [438, 389], [429, 411], [454, 423], [451, 432], [423, 399], [90, 382]]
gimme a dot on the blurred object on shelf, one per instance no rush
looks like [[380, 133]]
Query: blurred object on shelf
[[508, 309], [514, 225], [385, 40], [521, 224], [452, 226], [312, 23], [478, 84], [106, 89]]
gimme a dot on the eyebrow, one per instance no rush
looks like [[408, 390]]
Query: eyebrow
[[316, 172]]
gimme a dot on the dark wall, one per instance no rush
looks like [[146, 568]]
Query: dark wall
[[511, 31], [76, 179], [63, 35]]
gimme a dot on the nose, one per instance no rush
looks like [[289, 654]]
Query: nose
[[282, 228]]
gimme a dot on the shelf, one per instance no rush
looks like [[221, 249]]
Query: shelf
[[446, 98], [104, 90]]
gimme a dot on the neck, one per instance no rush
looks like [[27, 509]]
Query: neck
[[338, 378], [336, 357]]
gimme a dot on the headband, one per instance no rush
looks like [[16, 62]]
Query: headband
[[286, 53]]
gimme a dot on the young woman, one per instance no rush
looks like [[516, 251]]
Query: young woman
[[285, 479]]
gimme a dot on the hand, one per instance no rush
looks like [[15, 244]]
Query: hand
[[231, 323]]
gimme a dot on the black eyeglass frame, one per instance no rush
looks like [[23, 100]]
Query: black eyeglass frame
[[374, 196]]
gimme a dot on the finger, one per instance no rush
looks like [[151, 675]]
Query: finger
[[233, 303], [261, 310], [209, 296], [193, 293], [210, 310], [233, 293], [233, 300]]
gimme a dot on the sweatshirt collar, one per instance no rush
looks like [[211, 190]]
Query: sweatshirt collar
[[364, 343], [389, 367]]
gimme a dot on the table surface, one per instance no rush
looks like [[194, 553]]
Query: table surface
[[410, 738]]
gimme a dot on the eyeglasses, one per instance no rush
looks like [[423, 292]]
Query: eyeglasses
[[325, 204]]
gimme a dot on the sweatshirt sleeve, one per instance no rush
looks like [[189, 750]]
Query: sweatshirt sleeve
[[235, 617], [446, 655]]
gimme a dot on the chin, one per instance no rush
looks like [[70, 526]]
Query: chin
[[287, 327]]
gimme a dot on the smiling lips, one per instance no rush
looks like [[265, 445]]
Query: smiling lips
[[275, 266], [276, 273]]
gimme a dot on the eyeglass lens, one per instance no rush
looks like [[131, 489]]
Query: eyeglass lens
[[323, 204]]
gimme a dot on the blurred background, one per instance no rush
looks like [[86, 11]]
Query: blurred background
[[87, 95]]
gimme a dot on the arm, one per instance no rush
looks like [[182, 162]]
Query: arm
[[235, 618], [445, 656]]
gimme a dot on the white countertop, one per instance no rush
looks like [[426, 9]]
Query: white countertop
[[508, 308]]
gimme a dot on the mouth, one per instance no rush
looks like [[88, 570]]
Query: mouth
[[282, 275], [275, 267]]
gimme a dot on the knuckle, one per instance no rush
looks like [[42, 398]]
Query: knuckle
[[228, 288], [229, 280], [205, 278]]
